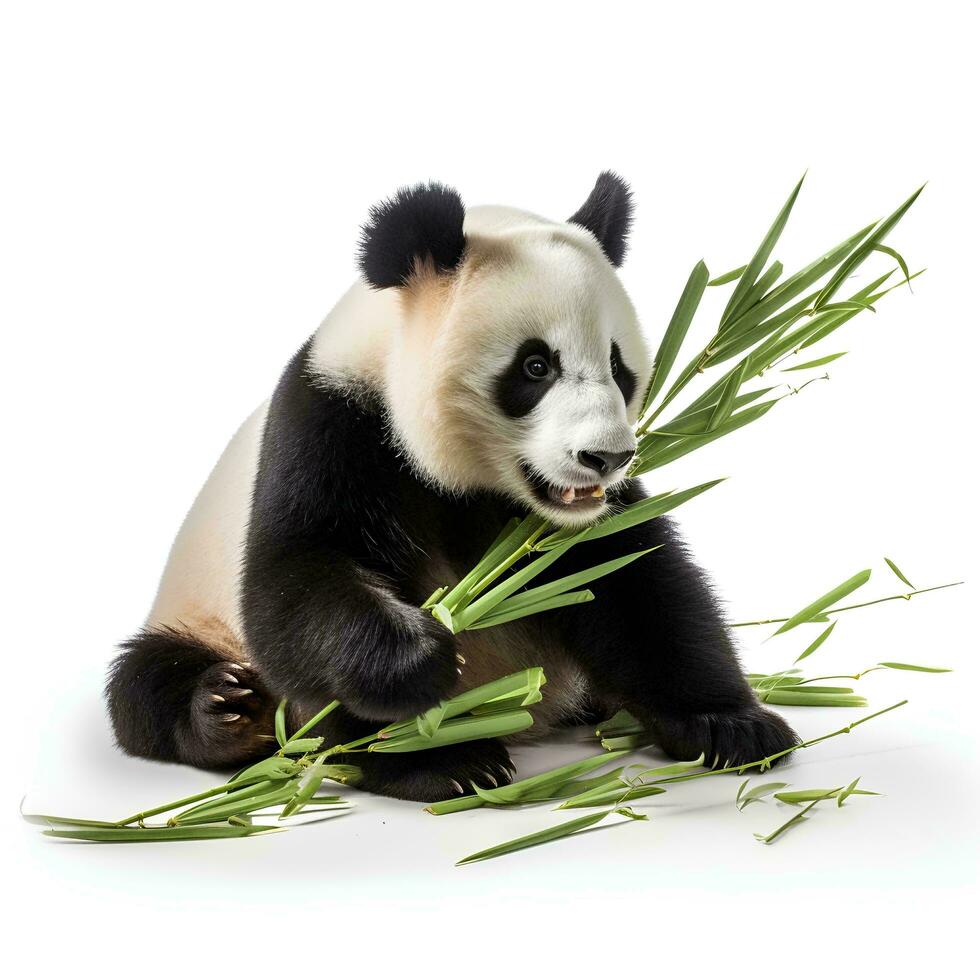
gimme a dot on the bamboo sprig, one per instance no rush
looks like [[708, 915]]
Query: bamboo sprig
[[764, 323], [858, 605]]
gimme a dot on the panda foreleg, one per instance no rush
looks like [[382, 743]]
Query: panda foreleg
[[321, 627], [654, 642]]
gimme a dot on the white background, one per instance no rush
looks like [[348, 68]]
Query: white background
[[182, 186]]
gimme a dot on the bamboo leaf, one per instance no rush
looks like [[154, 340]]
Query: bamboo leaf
[[145, 835], [819, 362], [622, 794], [854, 260], [429, 721], [756, 794], [301, 746], [533, 840], [898, 573], [809, 698], [817, 643], [676, 331], [925, 670], [727, 277], [281, 722], [546, 781], [795, 819], [898, 258], [758, 261], [673, 452], [47, 820], [506, 611], [643, 511], [726, 403], [825, 601]]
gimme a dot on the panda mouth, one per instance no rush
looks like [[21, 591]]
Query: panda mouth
[[589, 497]]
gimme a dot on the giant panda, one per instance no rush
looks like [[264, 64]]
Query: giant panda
[[488, 363]]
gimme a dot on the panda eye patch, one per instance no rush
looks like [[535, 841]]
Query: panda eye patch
[[529, 375], [624, 378], [536, 367]]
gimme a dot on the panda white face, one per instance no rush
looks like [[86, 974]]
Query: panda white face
[[508, 352], [529, 380], [557, 373]]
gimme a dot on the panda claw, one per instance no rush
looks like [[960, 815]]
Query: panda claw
[[217, 697], [230, 678], [230, 717], [456, 786]]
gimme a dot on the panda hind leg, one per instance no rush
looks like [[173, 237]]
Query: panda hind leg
[[173, 696]]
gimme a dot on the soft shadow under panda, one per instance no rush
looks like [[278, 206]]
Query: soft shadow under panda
[[489, 362]]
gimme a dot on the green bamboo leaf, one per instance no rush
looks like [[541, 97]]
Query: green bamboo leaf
[[898, 258], [796, 284], [898, 573], [854, 260], [308, 784], [486, 603], [281, 722], [235, 805], [925, 670], [817, 643], [756, 794], [145, 835], [848, 791], [796, 797], [674, 451], [545, 782], [727, 277], [555, 594], [621, 723], [47, 820], [759, 290], [541, 837], [429, 721], [459, 730], [726, 403], [819, 362], [741, 790], [630, 742], [612, 796], [758, 261], [795, 819], [676, 331], [301, 746], [505, 613], [695, 423], [643, 511], [825, 601], [808, 698]]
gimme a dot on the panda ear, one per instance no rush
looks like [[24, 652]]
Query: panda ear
[[419, 224], [608, 214]]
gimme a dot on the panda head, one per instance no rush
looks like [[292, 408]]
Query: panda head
[[517, 364]]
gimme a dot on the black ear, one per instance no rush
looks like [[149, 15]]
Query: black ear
[[418, 223], [608, 214]]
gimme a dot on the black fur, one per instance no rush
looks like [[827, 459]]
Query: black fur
[[419, 223], [515, 393], [622, 375], [608, 214]]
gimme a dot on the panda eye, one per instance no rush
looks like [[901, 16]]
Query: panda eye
[[536, 368]]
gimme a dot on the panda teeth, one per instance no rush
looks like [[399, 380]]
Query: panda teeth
[[568, 495]]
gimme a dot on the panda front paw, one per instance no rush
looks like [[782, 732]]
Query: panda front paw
[[408, 671], [231, 718], [726, 739]]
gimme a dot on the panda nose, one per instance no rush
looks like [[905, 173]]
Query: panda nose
[[603, 462]]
